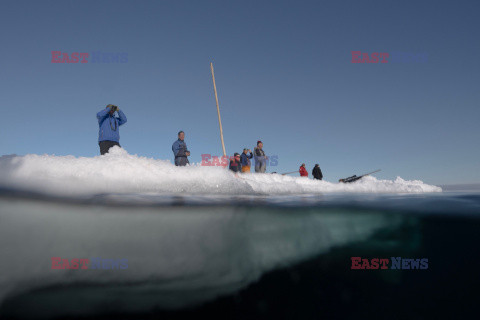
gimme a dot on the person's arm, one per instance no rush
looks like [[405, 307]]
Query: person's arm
[[102, 115], [122, 119], [175, 148], [250, 156]]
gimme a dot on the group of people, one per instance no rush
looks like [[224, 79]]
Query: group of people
[[242, 163], [316, 172], [109, 136]]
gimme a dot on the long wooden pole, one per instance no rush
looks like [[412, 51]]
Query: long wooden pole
[[218, 110], [289, 172]]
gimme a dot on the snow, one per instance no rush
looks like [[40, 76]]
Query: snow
[[120, 172]]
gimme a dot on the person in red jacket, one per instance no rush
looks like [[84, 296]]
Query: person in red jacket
[[303, 171]]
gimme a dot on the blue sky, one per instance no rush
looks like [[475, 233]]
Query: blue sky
[[284, 76]]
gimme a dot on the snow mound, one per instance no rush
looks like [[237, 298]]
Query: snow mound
[[120, 172]]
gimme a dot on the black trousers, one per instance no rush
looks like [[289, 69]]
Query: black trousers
[[181, 161], [106, 145]]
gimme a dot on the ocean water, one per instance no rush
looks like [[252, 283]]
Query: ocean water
[[201, 242]]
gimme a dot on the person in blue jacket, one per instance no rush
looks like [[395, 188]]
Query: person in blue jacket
[[108, 123], [180, 151], [245, 160]]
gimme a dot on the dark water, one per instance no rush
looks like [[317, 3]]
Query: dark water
[[310, 281]]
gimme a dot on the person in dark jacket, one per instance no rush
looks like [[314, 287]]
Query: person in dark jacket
[[108, 124], [303, 171], [260, 158], [235, 163], [180, 150], [245, 159], [317, 172]]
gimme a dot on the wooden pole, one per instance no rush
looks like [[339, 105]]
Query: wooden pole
[[218, 110], [289, 172]]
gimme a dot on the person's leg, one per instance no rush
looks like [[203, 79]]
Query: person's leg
[[181, 161], [246, 169], [104, 146], [257, 166], [263, 167], [113, 143]]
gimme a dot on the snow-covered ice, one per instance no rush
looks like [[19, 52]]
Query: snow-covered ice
[[120, 172]]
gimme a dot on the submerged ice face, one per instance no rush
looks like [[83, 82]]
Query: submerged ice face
[[177, 256], [120, 172]]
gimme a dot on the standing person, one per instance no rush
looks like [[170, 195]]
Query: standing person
[[260, 158], [108, 124], [317, 172], [235, 163], [180, 150], [245, 160], [303, 171]]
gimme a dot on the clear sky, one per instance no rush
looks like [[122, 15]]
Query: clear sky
[[284, 75]]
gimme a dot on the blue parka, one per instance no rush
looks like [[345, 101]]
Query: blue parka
[[109, 125], [245, 159], [179, 148]]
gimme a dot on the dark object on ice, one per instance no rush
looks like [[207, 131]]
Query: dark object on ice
[[355, 178], [317, 172]]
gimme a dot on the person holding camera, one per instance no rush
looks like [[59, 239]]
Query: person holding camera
[[245, 159], [180, 150], [108, 123]]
